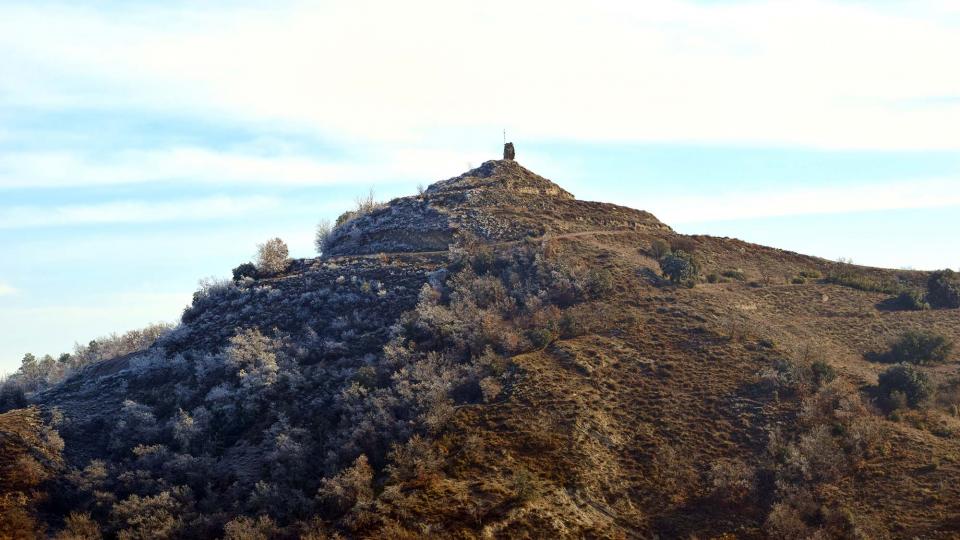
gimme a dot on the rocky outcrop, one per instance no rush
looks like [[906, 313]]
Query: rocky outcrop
[[498, 201]]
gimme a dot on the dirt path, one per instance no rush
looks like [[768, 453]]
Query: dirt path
[[508, 243]]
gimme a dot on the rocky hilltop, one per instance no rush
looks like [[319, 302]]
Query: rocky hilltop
[[499, 201], [493, 358]]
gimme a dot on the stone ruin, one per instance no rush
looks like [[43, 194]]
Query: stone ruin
[[508, 151]]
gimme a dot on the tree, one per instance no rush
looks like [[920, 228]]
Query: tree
[[272, 256], [324, 233]]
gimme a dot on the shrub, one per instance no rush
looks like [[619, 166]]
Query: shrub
[[683, 243], [324, 236], [920, 348], [253, 357], [246, 528], [352, 486], [245, 270], [909, 301], [734, 274], [912, 383], [599, 283], [943, 289], [731, 480], [272, 256], [822, 372], [798, 280], [659, 249], [79, 526], [681, 268]]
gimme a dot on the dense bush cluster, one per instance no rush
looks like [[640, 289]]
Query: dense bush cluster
[[836, 435], [919, 348], [943, 289], [281, 431], [38, 373], [904, 385]]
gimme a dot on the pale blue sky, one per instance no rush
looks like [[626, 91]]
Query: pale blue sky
[[143, 146]]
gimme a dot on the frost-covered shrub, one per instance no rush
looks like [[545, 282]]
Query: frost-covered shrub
[[324, 236], [253, 358], [247, 528], [157, 516], [352, 486], [272, 256]]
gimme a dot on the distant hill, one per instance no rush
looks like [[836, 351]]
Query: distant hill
[[495, 358]]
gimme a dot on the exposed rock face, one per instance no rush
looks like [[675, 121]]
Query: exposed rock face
[[508, 152], [498, 201]]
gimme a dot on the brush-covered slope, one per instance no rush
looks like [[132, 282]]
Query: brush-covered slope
[[522, 371]]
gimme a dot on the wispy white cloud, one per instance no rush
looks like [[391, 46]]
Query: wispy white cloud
[[927, 193], [6, 290], [817, 73], [134, 212], [200, 165]]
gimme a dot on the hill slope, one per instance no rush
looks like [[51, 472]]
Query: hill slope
[[495, 358]]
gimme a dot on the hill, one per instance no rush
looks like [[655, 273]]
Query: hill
[[495, 358]]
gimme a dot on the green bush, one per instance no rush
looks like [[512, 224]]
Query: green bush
[[906, 381], [659, 249], [810, 274], [822, 373], [734, 274], [920, 348], [599, 283], [943, 289], [798, 280], [681, 268], [244, 270], [909, 301]]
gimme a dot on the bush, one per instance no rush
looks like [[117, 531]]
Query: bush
[[943, 289], [245, 270], [659, 249], [681, 268], [920, 348], [907, 380], [324, 236], [272, 256], [599, 283], [909, 301], [822, 372], [734, 274]]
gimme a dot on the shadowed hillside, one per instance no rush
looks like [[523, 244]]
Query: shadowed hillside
[[495, 358]]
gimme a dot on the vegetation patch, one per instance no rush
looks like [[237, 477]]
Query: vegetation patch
[[917, 348], [904, 386]]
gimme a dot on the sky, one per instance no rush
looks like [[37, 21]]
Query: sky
[[146, 145]]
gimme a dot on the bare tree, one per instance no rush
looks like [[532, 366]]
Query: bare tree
[[272, 256]]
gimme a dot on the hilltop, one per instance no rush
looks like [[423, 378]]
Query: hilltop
[[493, 357]]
